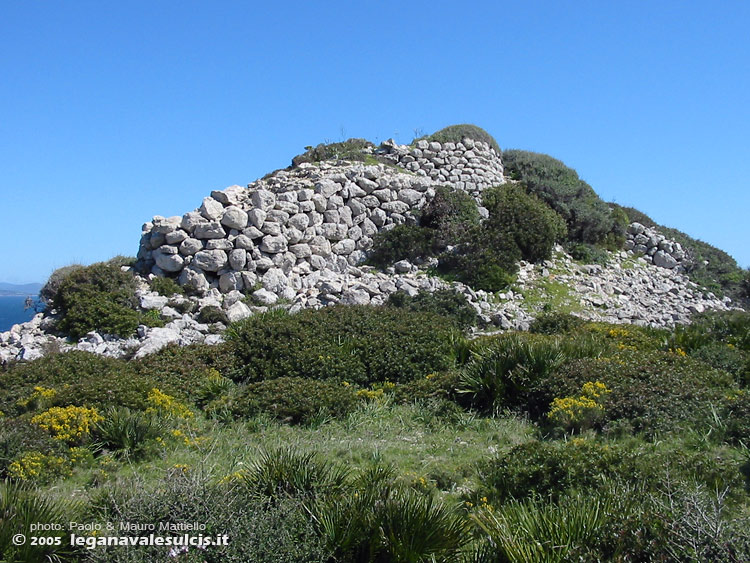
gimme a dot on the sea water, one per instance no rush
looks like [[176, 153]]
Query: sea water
[[12, 311]]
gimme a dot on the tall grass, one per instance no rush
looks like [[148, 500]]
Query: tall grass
[[19, 508], [536, 531]]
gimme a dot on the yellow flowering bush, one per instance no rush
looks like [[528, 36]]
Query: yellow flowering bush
[[582, 411], [36, 466], [166, 405], [39, 397], [69, 424]]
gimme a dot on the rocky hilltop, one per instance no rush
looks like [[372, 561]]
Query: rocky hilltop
[[299, 238]]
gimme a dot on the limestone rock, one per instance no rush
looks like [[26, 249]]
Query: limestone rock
[[210, 260]]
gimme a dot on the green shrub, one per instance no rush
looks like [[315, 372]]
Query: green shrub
[[101, 298], [457, 133], [508, 372], [358, 344], [444, 302], [556, 323], [588, 253], [211, 314], [432, 387], [403, 242], [615, 238], [109, 389], [725, 357], [450, 215], [481, 265], [628, 337], [259, 530], [18, 435], [523, 219], [82, 379], [293, 399], [166, 286], [127, 432], [736, 414], [351, 149], [52, 286], [588, 218], [185, 368], [553, 469], [726, 327], [59, 372], [651, 392], [519, 227]]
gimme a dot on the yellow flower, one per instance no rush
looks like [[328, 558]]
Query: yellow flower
[[35, 465], [579, 412], [167, 405], [70, 424]]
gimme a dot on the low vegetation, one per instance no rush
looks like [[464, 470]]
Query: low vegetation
[[362, 434], [457, 133]]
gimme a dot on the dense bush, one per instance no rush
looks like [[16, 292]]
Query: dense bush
[[292, 399], [588, 218], [628, 337], [484, 255], [52, 286], [185, 367], [166, 286], [727, 327], [523, 219], [99, 297], [359, 344], [736, 415], [651, 392], [457, 133], [211, 314], [259, 530], [587, 253], [403, 242], [18, 435], [444, 302], [552, 469], [108, 389], [509, 371], [432, 387], [719, 338], [519, 227], [555, 323], [59, 372], [451, 214], [480, 265]]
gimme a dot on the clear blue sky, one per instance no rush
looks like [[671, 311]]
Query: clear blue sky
[[111, 113]]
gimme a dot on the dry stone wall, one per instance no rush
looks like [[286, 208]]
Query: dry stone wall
[[278, 232], [472, 166], [654, 247]]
